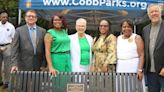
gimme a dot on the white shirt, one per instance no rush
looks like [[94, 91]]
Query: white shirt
[[7, 32], [126, 48], [127, 56]]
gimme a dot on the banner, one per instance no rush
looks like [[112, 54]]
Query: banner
[[87, 4]]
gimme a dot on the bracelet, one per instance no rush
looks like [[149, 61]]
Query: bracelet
[[140, 70]]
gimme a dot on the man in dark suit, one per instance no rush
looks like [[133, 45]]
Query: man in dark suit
[[28, 45], [153, 35]]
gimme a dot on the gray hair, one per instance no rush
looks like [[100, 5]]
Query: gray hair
[[81, 19], [148, 8], [4, 14]]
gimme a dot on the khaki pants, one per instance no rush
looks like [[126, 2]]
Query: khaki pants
[[5, 56]]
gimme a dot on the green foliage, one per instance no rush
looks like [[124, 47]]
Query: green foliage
[[9, 6], [43, 23]]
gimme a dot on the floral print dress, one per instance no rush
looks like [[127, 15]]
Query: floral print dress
[[104, 52]]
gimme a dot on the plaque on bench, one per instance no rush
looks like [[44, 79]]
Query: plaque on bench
[[75, 87]]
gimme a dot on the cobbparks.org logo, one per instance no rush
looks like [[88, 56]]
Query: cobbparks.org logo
[[107, 3]]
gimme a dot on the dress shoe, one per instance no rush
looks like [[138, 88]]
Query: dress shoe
[[1, 83], [5, 86]]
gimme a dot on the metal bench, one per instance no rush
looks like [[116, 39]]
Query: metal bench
[[31, 81]]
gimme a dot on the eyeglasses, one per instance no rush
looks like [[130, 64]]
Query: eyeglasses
[[30, 16], [103, 26], [57, 20]]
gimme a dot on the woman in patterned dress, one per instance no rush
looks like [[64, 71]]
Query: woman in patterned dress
[[104, 49]]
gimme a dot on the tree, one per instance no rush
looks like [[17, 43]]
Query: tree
[[11, 7]]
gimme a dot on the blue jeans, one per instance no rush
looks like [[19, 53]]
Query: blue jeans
[[155, 82]]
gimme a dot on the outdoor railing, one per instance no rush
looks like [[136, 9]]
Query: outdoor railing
[[31, 81]]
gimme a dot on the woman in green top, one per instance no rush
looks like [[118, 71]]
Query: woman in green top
[[81, 44], [57, 46]]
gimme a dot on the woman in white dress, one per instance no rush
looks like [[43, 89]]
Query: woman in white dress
[[130, 51]]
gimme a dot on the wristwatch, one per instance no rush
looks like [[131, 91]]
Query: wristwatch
[[140, 70]]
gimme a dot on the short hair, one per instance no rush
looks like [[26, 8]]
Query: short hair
[[4, 14], [81, 19], [148, 8], [33, 11], [130, 23]]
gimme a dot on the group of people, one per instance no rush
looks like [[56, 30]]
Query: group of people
[[27, 47]]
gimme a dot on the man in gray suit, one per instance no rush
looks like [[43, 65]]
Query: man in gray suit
[[28, 45]]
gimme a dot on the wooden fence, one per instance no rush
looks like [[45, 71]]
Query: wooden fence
[[27, 81]]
